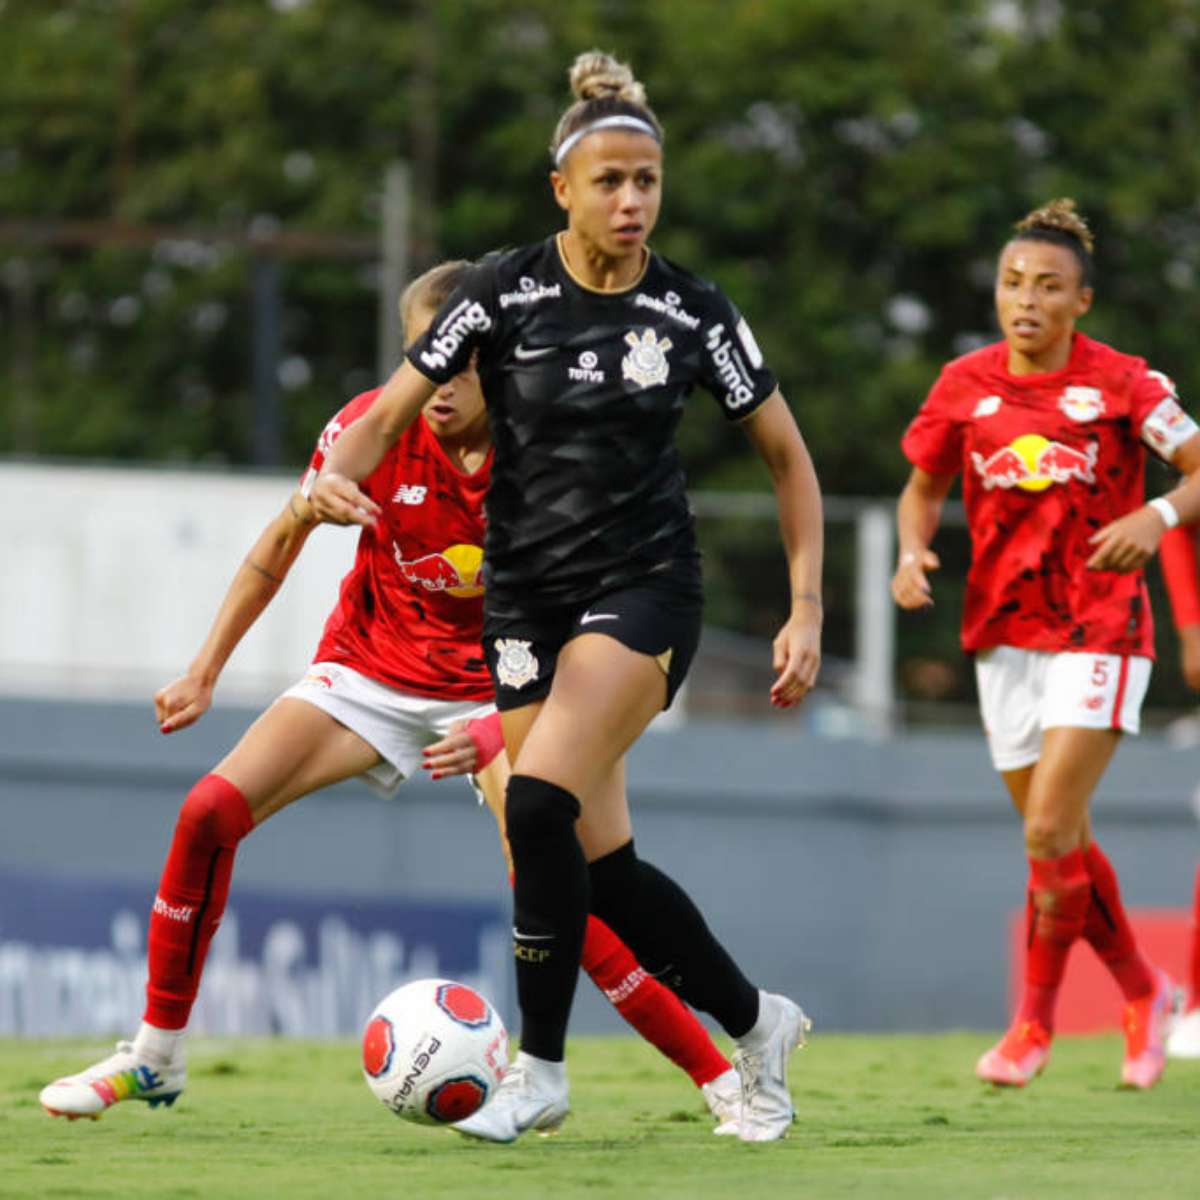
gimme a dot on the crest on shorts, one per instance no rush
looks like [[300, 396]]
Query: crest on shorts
[[1082, 403], [646, 363], [515, 663]]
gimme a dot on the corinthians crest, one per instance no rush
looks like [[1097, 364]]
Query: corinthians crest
[[515, 663], [646, 363]]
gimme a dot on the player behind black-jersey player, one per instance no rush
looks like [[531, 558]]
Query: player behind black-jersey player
[[588, 346]]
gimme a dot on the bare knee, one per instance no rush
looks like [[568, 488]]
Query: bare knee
[[1048, 835]]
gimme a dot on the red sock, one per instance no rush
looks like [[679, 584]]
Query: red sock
[[650, 1007], [1107, 929], [1194, 981], [1059, 893], [191, 897]]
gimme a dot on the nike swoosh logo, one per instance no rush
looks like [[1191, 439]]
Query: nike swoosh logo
[[531, 937], [526, 353], [589, 617]]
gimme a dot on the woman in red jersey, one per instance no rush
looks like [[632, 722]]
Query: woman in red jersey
[[398, 683], [1181, 571], [1048, 428]]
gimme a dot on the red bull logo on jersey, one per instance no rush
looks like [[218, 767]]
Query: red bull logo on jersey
[[455, 570], [1034, 463]]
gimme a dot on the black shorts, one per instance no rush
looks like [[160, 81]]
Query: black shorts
[[658, 615]]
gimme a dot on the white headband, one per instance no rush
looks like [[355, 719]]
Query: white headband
[[621, 121]]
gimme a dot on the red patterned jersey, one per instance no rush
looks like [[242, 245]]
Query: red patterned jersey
[[1048, 459], [410, 612]]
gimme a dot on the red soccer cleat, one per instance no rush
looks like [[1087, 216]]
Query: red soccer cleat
[[1020, 1055], [1147, 1022]]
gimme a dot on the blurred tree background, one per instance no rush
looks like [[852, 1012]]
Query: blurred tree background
[[847, 172]]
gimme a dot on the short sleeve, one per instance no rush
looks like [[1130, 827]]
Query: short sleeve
[[1158, 418], [464, 324], [732, 367], [934, 439], [330, 434]]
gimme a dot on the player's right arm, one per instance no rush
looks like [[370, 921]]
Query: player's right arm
[[336, 496], [183, 701], [917, 518]]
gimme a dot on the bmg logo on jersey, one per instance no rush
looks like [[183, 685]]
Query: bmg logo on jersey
[[731, 370], [585, 370], [466, 316]]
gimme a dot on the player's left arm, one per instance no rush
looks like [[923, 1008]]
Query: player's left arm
[[1128, 542], [773, 432]]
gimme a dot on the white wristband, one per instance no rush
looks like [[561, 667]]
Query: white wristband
[[1166, 510]]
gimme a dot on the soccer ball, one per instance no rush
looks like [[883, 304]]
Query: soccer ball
[[434, 1051]]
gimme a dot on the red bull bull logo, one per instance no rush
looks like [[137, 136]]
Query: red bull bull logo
[[454, 570], [1034, 463]]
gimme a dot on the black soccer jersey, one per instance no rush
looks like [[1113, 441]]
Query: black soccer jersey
[[584, 391]]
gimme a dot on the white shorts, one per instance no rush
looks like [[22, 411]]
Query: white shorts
[[1022, 693], [397, 724]]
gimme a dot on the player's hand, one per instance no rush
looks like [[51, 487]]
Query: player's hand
[[340, 501], [181, 703], [1127, 543], [910, 584], [453, 755], [796, 656]]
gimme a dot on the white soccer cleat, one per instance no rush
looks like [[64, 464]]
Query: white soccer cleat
[[723, 1096], [532, 1095], [125, 1075], [1184, 1039], [761, 1061]]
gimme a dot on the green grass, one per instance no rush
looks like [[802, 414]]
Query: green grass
[[890, 1117]]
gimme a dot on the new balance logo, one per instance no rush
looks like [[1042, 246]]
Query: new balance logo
[[410, 494]]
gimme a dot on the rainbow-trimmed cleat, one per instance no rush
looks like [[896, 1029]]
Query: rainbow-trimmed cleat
[[122, 1076]]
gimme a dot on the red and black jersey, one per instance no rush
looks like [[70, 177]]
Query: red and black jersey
[[1048, 459], [410, 610]]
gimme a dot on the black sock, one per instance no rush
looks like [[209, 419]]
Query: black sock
[[550, 907], [657, 920]]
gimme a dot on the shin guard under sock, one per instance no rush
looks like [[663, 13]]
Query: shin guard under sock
[[653, 1010], [657, 920], [1060, 893], [1108, 932], [191, 897], [550, 906]]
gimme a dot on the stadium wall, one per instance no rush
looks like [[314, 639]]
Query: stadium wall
[[872, 880]]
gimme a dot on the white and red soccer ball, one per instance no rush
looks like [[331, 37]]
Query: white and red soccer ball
[[434, 1051]]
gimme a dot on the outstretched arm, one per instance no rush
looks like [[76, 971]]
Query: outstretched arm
[[797, 648], [257, 580], [917, 517], [336, 496]]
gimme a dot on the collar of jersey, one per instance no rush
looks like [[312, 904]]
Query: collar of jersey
[[587, 287]]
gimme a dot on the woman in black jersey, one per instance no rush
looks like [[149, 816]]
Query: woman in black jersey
[[588, 345]]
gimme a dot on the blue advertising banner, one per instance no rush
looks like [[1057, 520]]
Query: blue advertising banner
[[72, 958]]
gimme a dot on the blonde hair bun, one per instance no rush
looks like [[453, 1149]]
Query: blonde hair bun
[[595, 75]]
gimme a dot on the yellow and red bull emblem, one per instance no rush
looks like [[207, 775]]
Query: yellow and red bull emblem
[[455, 570], [1033, 463]]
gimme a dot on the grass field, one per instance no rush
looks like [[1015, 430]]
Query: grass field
[[892, 1117]]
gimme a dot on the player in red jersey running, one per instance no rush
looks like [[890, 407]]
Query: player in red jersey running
[[1048, 428], [398, 682], [1181, 571]]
